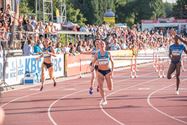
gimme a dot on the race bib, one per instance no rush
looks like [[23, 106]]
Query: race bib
[[45, 54], [176, 53], [103, 61]]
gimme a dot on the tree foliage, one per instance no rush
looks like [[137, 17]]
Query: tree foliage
[[136, 10], [129, 11], [168, 7], [25, 8], [94, 10], [74, 14], [180, 9]]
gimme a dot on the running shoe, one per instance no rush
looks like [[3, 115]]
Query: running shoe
[[41, 88], [173, 76], [90, 91], [103, 102], [54, 84], [97, 88], [177, 92]]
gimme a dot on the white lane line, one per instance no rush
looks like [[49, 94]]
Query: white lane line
[[110, 116], [70, 89], [52, 104], [34, 89], [181, 117], [164, 113], [50, 107], [18, 98], [143, 88]]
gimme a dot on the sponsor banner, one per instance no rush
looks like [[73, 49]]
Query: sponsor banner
[[18, 66]]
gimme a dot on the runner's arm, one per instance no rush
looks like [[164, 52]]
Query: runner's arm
[[181, 39], [39, 57], [52, 53], [94, 60], [112, 61], [170, 55], [185, 50]]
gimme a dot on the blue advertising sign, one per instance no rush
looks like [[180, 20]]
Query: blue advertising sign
[[18, 66]]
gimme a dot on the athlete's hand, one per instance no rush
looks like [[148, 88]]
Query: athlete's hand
[[37, 58], [112, 73], [172, 32], [91, 68]]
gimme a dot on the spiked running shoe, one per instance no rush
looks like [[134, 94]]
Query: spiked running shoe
[[90, 91]]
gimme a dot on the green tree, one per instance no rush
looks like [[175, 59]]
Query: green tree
[[136, 10], [168, 7], [126, 12], [149, 9], [94, 10], [180, 9], [74, 14], [24, 7]]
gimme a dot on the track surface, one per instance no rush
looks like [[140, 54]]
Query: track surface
[[146, 100]]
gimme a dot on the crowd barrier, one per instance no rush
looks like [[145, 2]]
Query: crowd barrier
[[79, 65], [70, 65]]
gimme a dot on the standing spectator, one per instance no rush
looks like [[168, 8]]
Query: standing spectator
[[2, 31], [41, 28], [66, 48], [80, 47], [123, 45], [115, 45], [33, 21], [28, 48], [58, 48], [37, 48], [29, 26]]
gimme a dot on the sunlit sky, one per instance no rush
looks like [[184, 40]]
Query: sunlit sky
[[170, 1]]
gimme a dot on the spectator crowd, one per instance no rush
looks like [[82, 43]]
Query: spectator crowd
[[29, 35]]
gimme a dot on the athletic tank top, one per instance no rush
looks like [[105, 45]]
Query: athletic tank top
[[176, 51], [103, 60]]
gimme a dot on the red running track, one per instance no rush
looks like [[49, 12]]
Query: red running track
[[146, 100]]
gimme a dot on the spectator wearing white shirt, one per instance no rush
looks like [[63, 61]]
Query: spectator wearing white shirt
[[28, 48], [123, 45], [66, 48], [115, 45]]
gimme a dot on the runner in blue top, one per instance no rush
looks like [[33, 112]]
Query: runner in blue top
[[105, 72], [175, 53]]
